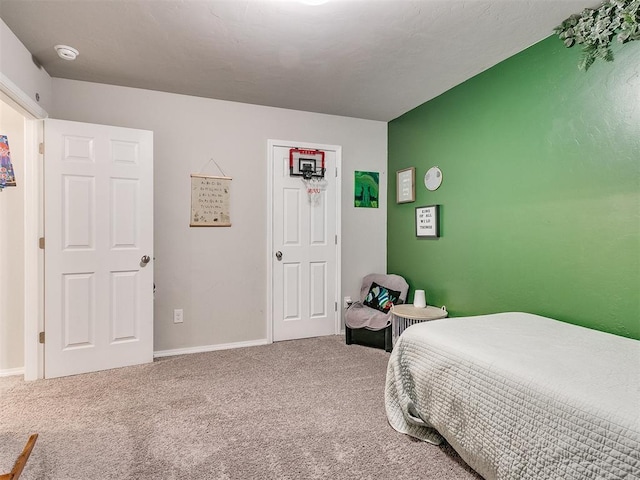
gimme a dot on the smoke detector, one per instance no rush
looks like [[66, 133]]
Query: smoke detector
[[66, 52]]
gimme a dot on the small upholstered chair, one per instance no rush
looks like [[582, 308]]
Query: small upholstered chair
[[368, 321]]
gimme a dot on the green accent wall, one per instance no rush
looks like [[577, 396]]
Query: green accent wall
[[540, 200]]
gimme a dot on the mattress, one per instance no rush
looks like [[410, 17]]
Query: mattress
[[520, 396]]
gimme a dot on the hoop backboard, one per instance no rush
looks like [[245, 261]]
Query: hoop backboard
[[306, 163]]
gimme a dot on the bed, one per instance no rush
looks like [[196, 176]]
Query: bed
[[520, 396]]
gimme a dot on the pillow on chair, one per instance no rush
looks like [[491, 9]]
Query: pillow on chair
[[381, 298]]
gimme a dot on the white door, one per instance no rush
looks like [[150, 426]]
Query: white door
[[305, 271], [98, 186]]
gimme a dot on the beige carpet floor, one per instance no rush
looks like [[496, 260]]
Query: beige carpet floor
[[303, 409]]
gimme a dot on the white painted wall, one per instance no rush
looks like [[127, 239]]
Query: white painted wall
[[17, 65], [12, 247], [218, 275]]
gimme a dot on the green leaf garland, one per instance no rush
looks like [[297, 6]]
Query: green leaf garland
[[595, 29]]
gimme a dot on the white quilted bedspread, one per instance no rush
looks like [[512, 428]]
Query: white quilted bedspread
[[520, 396]]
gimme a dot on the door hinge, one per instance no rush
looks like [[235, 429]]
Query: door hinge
[[336, 172], [41, 148], [41, 243], [336, 239], [336, 309], [41, 337]]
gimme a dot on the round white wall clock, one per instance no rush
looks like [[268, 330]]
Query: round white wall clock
[[433, 178]]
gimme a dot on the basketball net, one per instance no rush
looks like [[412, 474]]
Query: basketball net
[[315, 186]]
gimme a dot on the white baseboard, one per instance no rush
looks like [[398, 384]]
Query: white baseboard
[[12, 371], [169, 353], [209, 348]]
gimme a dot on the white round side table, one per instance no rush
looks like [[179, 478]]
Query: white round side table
[[406, 315]]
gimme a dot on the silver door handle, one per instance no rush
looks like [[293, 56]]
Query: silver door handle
[[144, 260], [279, 255]]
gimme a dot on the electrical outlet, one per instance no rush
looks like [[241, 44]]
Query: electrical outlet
[[347, 302], [178, 315]]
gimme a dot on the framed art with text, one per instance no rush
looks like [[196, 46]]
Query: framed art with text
[[406, 185], [427, 222]]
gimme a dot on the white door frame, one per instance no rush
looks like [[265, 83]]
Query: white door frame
[[33, 225], [33, 255], [313, 146]]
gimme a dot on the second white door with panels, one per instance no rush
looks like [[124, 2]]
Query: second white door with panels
[[304, 257]]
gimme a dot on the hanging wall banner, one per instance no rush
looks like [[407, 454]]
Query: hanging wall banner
[[7, 177], [210, 201]]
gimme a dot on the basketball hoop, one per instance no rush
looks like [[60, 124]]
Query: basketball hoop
[[306, 163], [315, 186]]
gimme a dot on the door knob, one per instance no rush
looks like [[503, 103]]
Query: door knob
[[144, 260], [279, 255]]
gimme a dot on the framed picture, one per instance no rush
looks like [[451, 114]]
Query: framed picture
[[365, 192], [406, 185], [427, 224]]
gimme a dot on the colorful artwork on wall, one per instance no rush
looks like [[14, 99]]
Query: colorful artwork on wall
[[365, 192], [7, 177]]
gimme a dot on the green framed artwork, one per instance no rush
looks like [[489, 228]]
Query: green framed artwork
[[365, 193]]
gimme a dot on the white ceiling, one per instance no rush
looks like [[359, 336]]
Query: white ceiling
[[372, 59]]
